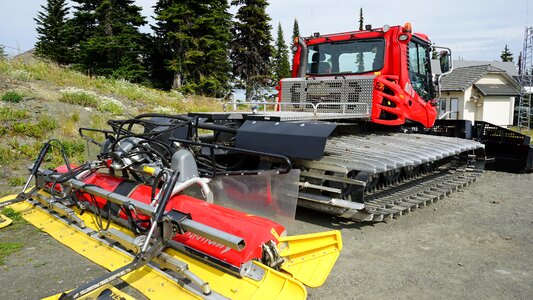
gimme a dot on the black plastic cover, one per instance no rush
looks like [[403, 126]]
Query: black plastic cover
[[305, 140]]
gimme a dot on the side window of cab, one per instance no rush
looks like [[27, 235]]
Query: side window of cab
[[418, 61]]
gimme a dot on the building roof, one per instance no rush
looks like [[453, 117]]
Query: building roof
[[496, 90], [462, 78], [507, 66]]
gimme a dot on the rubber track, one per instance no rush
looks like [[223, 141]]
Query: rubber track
[[411, 195]]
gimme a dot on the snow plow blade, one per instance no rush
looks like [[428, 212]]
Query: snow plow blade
[[310, 257]]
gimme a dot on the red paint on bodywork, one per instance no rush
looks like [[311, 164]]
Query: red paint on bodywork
[[408, 104], [255, 230]]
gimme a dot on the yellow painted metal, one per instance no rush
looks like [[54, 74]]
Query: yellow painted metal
[[310, 257], [150, 282], [106, 292], [5, 221], [147, 280]]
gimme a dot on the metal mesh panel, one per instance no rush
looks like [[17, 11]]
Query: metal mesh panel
[[329, 94], [526, 81]]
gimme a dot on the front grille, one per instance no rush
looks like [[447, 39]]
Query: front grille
[[329, 94]]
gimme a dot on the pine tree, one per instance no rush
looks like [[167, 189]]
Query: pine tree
[[3, 54], [295, 34], [361, 19], [360, 56], [506, 54], [193, 39], [295, 30], [281, 64], [250, 49], [520, 63], [105, 34], [51, 31]]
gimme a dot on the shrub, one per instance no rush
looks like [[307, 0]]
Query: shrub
[[10, 114], [47, 123], [110, 105], [7, 155], [44, 125], [79, 97], [21, 75], [91, 99], [12, 96]]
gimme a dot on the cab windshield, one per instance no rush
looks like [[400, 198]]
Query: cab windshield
[[346, 57]]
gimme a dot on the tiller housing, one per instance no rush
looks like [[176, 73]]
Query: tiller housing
[[128, 211]]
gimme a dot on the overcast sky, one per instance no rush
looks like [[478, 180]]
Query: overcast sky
[[475, 30]]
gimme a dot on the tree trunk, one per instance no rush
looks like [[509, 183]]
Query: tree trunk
[[249, 92], [176, 83]]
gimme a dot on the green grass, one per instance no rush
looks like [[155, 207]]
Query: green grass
[[7, 248], [45, 124], [12, 214], [79, 97], [147, 99], [7, 155], [12, 96], [91, 99], [10, 114], [16, 181], [110, 105]]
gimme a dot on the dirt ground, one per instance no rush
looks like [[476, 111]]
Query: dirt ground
[[475, 244]]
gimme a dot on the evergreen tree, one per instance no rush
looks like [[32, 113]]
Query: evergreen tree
[[295, 34], [295, 29], [360, 56], [506, 54], [51, 31], [105, 34], [250, 49], [3, 54], [519, 63], [192, 38], [281, 64], [361, 19]]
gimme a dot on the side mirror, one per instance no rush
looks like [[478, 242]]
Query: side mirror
[[445, 59], [446, 64]]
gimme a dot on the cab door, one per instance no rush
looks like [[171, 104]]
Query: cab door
[[420, 87]]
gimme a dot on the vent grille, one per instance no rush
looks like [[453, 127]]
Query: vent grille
[[298, 94]]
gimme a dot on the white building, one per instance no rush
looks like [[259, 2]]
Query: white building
[[479, 93]]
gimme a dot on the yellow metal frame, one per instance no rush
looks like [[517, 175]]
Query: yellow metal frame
[[310, 259], [4, 221]]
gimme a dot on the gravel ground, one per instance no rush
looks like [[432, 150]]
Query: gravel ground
[[475, 244]]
